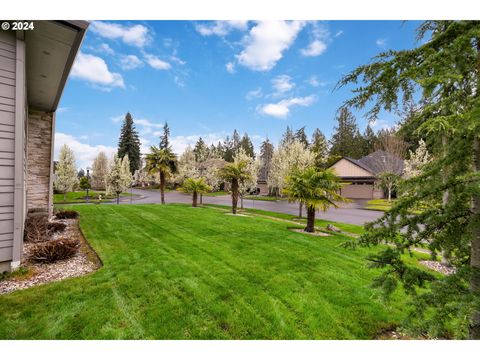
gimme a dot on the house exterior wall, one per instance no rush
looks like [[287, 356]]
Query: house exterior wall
[[7, 145], [12, 150], [344, 168], [39, 152]]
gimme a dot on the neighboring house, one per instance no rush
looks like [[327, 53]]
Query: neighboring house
[[361, 175], [34, 66]]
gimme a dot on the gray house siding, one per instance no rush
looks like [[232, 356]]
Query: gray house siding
[[7, 143]]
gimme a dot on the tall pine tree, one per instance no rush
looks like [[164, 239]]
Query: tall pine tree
[[319, 148], [266, 154], [165, 137], [129, 143], [288, 137], [301, 136], [346, 140], [247, 145]]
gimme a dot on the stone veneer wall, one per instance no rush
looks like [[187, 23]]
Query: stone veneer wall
[[39, 161]]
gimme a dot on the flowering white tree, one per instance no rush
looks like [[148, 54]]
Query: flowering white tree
[[187, 167], [252, 168], [417, 160], [66, 171], [119, 177], [285, 159], [100, 171]]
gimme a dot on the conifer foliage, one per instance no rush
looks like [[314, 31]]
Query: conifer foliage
[[129, 143]]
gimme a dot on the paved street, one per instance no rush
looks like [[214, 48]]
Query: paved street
[[349, 213]]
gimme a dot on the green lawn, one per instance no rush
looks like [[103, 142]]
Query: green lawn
[[177, 272], [379, 204], [263, 198], [79, 197], [217, 193]]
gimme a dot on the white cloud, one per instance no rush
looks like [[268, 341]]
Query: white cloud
[[156, 63], [147, 123], [221, 28], [315, 48], [178, 81], [136, 35], [129, 62], [94, 70], [180, 142], [84, 153], [266, 42], [381, 42], [313, 81], [282, 108], [380, 125], [339, 33], [282, 84], [62, 109], [105, 48], [254, 94], [320, 38], [230, 67]]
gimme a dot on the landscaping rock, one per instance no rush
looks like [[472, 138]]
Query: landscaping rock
[[330, 227], [438, 266]]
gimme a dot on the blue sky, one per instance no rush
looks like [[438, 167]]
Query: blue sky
[[206, 78]]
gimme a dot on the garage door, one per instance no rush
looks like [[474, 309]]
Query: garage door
[[358, 191]]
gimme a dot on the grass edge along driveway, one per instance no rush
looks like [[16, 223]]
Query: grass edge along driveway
[[177, 272]]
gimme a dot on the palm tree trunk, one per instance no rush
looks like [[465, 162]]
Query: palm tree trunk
[[201, 198], [241, 201], [234, 195], [389, 193], [310, 219], [162, 186], [474, 332], [194, 203], [300, 208]]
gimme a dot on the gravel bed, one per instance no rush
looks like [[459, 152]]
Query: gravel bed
[[438, 266], [84, 262]]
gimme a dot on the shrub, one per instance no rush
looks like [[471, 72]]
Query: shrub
[[51, 251], [36, 227], [66, 214], [55, 226]]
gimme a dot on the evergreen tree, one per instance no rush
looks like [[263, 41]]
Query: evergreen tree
[[369, 140], [247, 145], [319, 148], [228, 150], [446, 67], [266, 154], [288, 137], [200, 150], [346, 140], [81, 174], [235, 141], [129, 143], [301, 136], [165, 137]]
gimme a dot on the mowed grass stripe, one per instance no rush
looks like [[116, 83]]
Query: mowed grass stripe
[[177, 272]]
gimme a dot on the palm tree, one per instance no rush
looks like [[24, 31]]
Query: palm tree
[[195, 187], [163, 162], [235, 173], [317, 189]]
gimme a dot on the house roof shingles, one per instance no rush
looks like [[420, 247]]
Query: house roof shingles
[[379, 161]]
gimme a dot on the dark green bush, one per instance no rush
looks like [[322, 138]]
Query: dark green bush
[[51, 251], [66, 214]]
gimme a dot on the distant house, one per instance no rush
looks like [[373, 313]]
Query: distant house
[[34, 66], [361, 175]]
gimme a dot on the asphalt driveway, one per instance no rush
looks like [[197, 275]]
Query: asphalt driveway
[[349, 213]]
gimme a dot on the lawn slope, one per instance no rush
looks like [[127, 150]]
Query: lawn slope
[[176, 272]]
